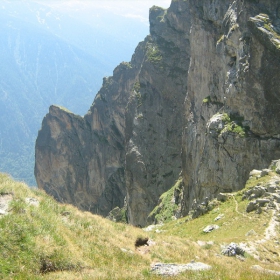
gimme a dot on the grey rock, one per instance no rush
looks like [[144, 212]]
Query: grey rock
[[252, 206], [255, 192], [152, 227], [262, 201], [265, 172], [166, 269], [5, 200], [250, 233], [258, 191], [271, 205], [276, 197], [215, 124], [210, 228], [232, 250], [127, 251], [204, 243], [247, 193], [219, 217], [159, 231], [32, 201], [255, 173], [275, 165], [272, 188], [222, 197], [267, 194]]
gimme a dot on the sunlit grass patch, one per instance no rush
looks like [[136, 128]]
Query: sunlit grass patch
[[57, 241]]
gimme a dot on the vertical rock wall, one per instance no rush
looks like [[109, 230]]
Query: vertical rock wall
[[154, 118], [232, 105], [200, 95]]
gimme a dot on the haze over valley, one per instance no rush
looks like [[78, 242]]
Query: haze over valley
[[57, 52]]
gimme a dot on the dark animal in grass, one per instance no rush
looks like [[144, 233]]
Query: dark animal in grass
[[141, 241]]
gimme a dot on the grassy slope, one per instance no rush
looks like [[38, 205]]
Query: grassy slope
[[79, 245]]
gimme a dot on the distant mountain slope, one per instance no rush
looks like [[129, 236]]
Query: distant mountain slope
[[47, 58], [38, 69]]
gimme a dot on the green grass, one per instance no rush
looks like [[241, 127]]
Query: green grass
[[234, 124], [207, 99], [267, 24], [137, 87], [57, 241], [233, 226], [153, 54], [167, 207]]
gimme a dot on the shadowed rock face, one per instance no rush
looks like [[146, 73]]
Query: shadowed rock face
[[200, 95]]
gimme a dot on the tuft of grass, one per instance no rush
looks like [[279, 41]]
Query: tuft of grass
[[266, 23], [221, 39], [167, 207], [233, 125], [153, 54], [137, 87], [207, 99]]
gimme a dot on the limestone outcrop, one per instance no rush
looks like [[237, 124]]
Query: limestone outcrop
[[200, 99]]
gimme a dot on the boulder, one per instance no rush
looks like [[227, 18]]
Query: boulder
[[222, 197], [275, 165], [272, 188], [262, 201], [219, 217], [210, 228], [255, 173], [232, 250], [276, 197], [265, 172], [258, 191], [253, 205]]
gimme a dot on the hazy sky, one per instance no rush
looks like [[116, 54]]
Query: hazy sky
[[138, 9]]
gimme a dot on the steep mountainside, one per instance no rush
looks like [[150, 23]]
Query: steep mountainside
[[200, 97]]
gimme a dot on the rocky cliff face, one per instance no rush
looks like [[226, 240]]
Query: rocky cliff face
[[200, 95], [232, 105]]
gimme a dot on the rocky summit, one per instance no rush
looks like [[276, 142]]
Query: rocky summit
[[199, 100]]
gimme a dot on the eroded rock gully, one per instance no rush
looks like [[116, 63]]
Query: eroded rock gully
[[200, 96]]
